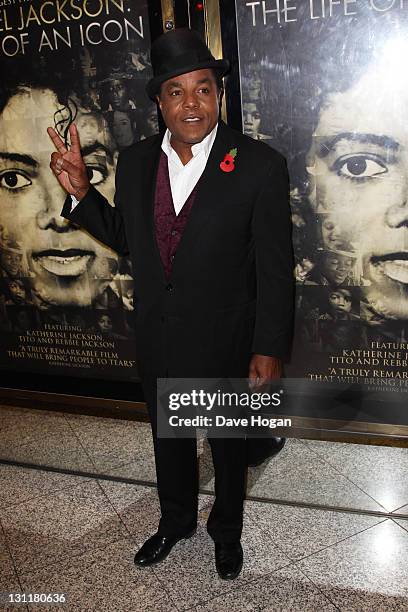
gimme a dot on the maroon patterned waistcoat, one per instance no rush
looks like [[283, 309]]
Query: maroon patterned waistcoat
[[169, 227]]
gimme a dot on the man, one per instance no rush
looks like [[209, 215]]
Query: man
[[124, 128], [11, 263], [119, 96], [333, 268], [16, 293], [209, 240], [252, 121]]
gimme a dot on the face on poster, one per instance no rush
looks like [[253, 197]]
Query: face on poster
[[65, 266], [358, 164], [331, 90], [51, 271]]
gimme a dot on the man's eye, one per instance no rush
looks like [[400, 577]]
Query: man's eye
[[13, 180], [204, 90], [96, 175], [360, 166], [175, 92]]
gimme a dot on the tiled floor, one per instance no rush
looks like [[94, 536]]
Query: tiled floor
[[77, 535]]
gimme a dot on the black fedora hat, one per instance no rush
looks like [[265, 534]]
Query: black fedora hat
[[177, 52]]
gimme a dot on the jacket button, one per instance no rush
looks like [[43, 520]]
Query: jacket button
[[169, 287], [173, 232]]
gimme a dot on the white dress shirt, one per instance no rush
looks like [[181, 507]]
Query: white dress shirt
[[183, 179]]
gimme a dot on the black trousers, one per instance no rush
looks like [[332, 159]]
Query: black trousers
[[177, 481]]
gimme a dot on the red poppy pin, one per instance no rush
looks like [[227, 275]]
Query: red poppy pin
[[227, 164]]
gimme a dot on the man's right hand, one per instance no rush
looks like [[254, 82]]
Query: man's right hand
[[67, 163]]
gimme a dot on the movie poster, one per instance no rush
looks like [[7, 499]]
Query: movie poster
[[325, 83], [66, 300]]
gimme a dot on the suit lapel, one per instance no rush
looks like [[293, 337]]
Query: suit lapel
[[150, 165]]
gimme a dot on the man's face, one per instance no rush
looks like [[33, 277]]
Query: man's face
[[122, 129], [254, 88], [118, 95], [67, 267], [11, 262], [17, 290], [89, 126], [332, 236], [336, 267], [359, 165], [252, 119], [153, 121], [340, 301], [190, 105], [105, 323]]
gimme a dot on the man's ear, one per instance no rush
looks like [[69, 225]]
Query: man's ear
[[159, 104]]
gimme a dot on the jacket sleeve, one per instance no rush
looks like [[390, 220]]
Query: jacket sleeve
[[274, 264], [103, 221]]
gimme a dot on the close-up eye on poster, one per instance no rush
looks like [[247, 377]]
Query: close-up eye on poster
[[325, 83]]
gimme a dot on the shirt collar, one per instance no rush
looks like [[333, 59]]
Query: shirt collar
[[205, 145]]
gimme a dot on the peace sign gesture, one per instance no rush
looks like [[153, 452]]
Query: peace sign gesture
[[68, 165]]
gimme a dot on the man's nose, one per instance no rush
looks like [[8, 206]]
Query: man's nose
[[191, 100], [397, 214], [48, 217]]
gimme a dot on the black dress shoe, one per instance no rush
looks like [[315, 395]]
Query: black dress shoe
[[228, 559], [156, 548], [261, 449]]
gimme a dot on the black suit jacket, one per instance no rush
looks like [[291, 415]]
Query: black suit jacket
[[230, 293]]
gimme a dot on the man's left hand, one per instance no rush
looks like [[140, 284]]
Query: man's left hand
[[263, 368]]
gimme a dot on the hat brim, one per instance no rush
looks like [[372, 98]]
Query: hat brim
[[153, 86]]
